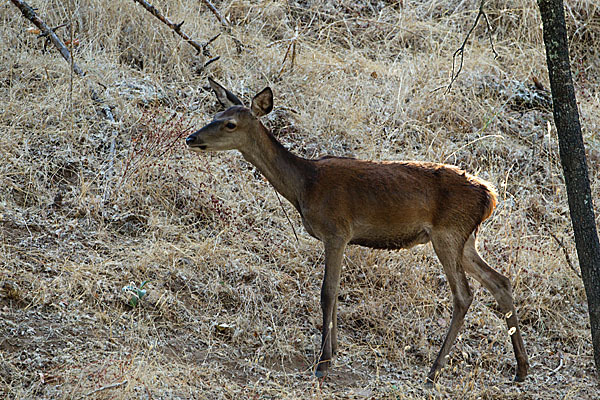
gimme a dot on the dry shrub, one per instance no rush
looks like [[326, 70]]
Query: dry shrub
[[232, 305]]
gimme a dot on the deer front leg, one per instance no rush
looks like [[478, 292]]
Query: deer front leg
[[334, 252]]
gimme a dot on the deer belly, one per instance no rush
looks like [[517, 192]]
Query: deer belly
[[393, 241]]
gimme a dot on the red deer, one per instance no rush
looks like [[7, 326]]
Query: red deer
[[382, 205]]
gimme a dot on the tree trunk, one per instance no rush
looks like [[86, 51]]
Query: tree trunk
[[572, 157]]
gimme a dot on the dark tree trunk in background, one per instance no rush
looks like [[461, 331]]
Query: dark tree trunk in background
[[572, 157]]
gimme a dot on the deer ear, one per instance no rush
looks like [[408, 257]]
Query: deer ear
[[225, 97], [262, 103]]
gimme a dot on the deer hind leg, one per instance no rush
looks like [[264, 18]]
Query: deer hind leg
[[334, 252], [449, 249], [334, 343], [501, 289]]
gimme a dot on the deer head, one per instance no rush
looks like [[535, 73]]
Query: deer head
[[235, 127]]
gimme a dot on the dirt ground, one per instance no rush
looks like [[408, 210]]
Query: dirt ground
[[94, 211]]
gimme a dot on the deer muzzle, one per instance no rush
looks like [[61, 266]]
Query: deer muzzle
[[194, 143]]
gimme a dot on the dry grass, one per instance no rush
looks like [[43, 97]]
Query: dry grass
[[232, 306]]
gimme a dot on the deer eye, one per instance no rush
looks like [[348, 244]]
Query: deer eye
[[230, 125]]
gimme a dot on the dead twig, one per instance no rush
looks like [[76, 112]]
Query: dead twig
[[47, 34], [225, 22], [489, 32], [560, 365], [215, 11], [212, 39], [460, 52], [112, 386], [565, 251], [30, 14], [212, 60], [200, 48], [292, 47]]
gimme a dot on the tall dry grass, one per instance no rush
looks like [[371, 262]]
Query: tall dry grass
[[232, 301]]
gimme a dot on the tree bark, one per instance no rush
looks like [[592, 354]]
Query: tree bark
[[572, 156]]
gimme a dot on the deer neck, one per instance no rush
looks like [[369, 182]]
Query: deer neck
[[284, 170]]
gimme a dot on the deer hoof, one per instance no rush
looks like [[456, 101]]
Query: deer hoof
[[320, 374], [520, 378], [429, 383], [322, 369]]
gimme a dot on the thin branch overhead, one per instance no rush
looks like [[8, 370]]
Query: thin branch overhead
[[215, 11], [201, 48], [460, 52], [29, 13], [226, 24]]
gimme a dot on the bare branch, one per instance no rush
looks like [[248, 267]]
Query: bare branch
[[565, 252], [175, 27], [212, 39], [114, 385], [461, 50], [215, 11], [47, 36], [489, 32], [30, 14], [223, 20], [212, 60], [292, 47]]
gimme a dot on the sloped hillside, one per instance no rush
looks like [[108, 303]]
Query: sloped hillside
[[94, 210]]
